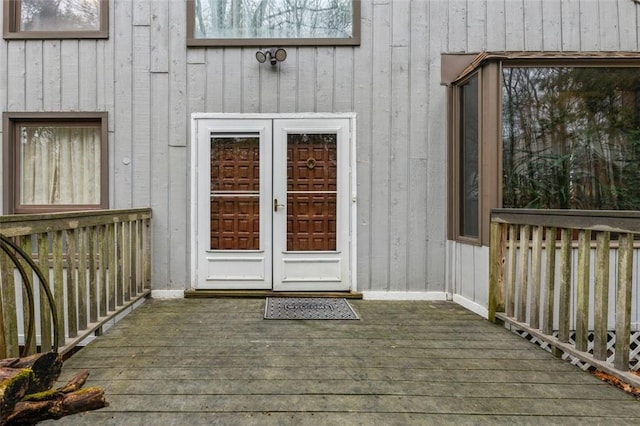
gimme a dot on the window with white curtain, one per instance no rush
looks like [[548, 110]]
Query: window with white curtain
[[57, 162]]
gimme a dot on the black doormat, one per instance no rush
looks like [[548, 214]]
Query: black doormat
[[308, 308]]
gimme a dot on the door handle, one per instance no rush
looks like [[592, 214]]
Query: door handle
[[276, 205]]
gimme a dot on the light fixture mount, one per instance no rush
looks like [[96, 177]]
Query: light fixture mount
[[273, 55]]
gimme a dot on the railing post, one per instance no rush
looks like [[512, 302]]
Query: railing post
[[623, 301], [564, 311], [511, 271], [496, 270], [147, 255], [550, 281], [525, 231], [582, 289], [8, 301], [601, 296], [536, 276]]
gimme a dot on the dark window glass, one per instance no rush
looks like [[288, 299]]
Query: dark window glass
[[469, 167], [571, 138]]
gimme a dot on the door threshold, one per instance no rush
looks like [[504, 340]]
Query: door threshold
[[203, 294]]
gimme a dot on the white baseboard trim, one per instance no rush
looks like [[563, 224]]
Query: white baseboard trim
[[167, 294], [472, 306], [404, 295]]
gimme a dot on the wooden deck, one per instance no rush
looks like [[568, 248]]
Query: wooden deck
[[216, 361]]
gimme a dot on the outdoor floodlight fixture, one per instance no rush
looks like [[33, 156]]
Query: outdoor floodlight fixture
[[273, 55]]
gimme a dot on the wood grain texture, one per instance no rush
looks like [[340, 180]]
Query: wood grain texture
[[393, 367]]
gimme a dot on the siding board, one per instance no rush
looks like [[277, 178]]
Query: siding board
[[105, 76], [142, 13], [551, 25], [533, 24], [306, 79], [197, 86], [123, 123], [495, 25], [436, 150], [34, 75], [70, 73], [215, 80], [418, 146], [457, 29], [141, 150], [264, 79], [588, 27], [287, 84], [400, 216], [325, 79], [571, 23], [178, 250], [343, 93], [88, 81], [380, 153], [52, 80], [232, 89], [476, 24], [515, 25], [609, 25], [3, 74], [363, 100], [160, 180], [160, 35], [16, 76], [628, 25], [178, 71], [251, 96]]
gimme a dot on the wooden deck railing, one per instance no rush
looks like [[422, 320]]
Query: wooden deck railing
[[551, 275], [96, 264]]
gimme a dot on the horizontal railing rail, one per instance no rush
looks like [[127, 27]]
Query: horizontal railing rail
[[90, 265], [552, 274]]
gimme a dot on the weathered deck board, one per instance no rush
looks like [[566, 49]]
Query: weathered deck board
[[216, 361]]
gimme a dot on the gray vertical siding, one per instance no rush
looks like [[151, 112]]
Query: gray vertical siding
[[149, 82]]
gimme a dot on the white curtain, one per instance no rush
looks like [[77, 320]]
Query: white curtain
[[60, 165]]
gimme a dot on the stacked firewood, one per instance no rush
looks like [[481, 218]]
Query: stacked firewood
[[27, 397]]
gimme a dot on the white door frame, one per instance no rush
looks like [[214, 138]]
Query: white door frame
[[196, 125]]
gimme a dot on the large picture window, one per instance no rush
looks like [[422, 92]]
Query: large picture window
[[571, 138], [556, 131], [55, 162], [273, 22], [47, 19]]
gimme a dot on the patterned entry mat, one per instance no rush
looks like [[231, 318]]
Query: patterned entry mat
[[308, 308]]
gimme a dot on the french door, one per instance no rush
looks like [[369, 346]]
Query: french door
[[274, 203]]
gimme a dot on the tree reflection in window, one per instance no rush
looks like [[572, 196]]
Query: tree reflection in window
[[273, 19], [60, 15], [571, 137]]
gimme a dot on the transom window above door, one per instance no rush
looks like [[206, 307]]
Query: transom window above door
[[273, 22], [56, 19]]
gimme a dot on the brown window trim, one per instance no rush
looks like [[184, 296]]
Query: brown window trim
[[455, 69], [192, 41], [11, 31], [488, 79], [11, 122]]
